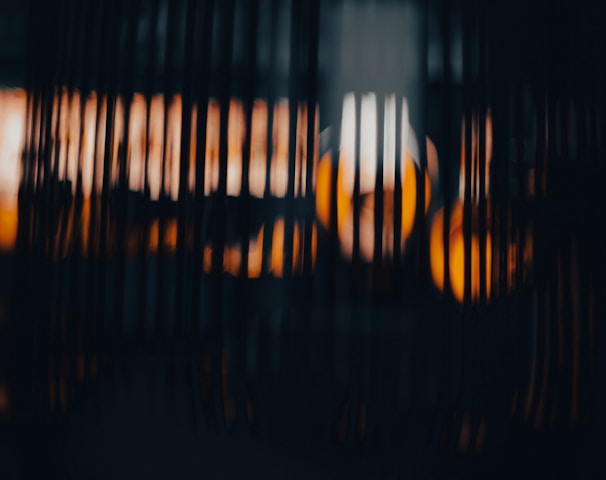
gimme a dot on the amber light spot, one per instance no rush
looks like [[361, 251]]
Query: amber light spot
[[276, 266], [232, 253], [456, 239], [232, 258], [13, 107], [366, 169], [457, 256]]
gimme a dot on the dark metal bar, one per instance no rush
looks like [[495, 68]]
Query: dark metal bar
[[219, 210], [468, 119], [201, 96], [149, 93], [161, 328], [183, 210]]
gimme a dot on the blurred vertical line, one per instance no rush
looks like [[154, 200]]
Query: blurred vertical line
[[356, 276], [88, 87], [377, 259], [161, 327], [182, 283], [201, 94], [125, 217], [248, 101], [219, 210], [74, 234], [239, 379], [468, 26], [482, 158], [145, 250], [313, 116], [294, 94], [446, 161], [106, 234], [98, 223], [268, 220], [420, 216]]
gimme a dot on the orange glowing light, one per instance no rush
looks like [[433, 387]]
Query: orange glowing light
[[276, 265], [8, 225], [232, 257], [151, 143], [457, 257], [12, 127], [232, 253], [456, 239], [346, 171], [258, 153]]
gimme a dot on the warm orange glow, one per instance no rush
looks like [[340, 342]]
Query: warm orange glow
[[154, 132], [232, 257], [12, 127], [279, 163], [236, 130], [232, 253], [276, 265], [456, 243], [457, 258], [475, 168], [258, 153], [367, 169], [345, 209], [8, 225]]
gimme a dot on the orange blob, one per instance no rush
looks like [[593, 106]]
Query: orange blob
[[8, 228], [276, 266], [457, 258], [232, 258], [345, 210]]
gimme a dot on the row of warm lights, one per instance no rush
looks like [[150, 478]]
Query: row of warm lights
[[165, 177], [145, 138], [410, 170]]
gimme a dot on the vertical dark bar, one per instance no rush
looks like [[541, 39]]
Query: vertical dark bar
[[128, 71], [294, 92], [400, 155], [149, 92], [106, 242], [468, 25], [183, 210], [379, 210], [219, 211], [293, 104], [446, 169], [243, 288], [422, 145], [164, 198], [201, 95], [355, 254], [248, 99], [268, 219], [482, 159], [312, 110]]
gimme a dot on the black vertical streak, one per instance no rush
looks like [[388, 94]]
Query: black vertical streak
[[184, 167], [149, 92], [468, 115], [243, 291], [378, 208], [161, 328], [219, 210], [201, 94]]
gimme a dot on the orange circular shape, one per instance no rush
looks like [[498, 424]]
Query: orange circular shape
[[457, 258]]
